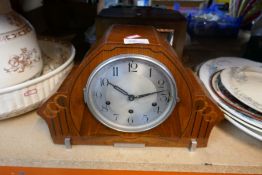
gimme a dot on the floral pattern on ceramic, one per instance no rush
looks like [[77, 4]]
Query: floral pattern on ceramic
[[21, 98], [18, 63], [238, 75], [19, 50]]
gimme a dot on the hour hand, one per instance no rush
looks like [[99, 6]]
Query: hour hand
[[147, 94], [118, 89]]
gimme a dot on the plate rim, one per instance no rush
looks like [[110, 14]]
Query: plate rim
[[243, 128], [228, 81], [205, 74], [243, 110], [242, 122]]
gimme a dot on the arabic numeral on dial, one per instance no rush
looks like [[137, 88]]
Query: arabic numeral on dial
[[115, 71], [157, 110], [104, 82], [98, 94], [130, 120], [132, 67], [150, 72], [161, 83], [145, 118], [115, 116], [104, 108], [164, 97]]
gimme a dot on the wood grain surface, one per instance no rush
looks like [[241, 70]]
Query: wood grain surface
[[68, 116]]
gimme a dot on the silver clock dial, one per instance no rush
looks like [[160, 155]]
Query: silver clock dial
[[131, 93]]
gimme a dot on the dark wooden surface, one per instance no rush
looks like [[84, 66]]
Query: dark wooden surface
[[194, 116]]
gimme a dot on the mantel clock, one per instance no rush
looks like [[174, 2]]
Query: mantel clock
[[131, 88]]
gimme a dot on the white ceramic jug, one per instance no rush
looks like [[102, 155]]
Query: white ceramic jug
[[20, 55]]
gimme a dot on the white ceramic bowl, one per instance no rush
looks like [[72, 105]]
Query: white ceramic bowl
[[58, 61], [19, 50]]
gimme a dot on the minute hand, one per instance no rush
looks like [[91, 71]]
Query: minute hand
[[147, 94]]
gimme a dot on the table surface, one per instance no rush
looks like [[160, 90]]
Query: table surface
[[26, 141]]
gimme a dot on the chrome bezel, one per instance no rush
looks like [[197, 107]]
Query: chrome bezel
[[100, 117]]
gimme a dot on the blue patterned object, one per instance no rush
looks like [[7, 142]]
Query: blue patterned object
[[212, 22]]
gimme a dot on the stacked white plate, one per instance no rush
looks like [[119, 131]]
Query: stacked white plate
[[58, 61], [236, 85]]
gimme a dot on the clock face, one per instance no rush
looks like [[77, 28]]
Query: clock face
[[131, 93]]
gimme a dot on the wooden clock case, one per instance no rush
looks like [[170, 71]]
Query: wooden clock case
[[68, 117]]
